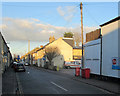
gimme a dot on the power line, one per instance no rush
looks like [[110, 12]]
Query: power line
[[99, 4], [91, 16], [12, 5]]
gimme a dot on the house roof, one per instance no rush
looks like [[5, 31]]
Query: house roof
[[70, 41], [77, 47], [4, 40], [30, 52], [113, 20]]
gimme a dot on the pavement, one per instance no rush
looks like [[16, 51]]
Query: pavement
[[0, 84], [110, 86], [9, 82]]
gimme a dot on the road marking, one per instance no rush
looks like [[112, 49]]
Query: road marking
[[59, 86]]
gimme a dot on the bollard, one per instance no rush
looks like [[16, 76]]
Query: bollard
[[57, 68]]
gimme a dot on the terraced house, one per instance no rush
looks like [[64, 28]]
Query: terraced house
[[68, 52], [5, 55]]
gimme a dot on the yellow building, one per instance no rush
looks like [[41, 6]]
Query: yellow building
[[65, 45], [40, 53], [30, 56], [67, 52], [77, 53]]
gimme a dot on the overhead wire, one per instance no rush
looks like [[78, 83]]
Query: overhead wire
[[90, 15], [12, 5], [67, 23], [98, 4]]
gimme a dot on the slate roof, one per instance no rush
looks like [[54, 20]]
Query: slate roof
[[113, 20], [70, 41]]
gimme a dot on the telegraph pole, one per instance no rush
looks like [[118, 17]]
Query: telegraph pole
[[82, 33], [28, 45]]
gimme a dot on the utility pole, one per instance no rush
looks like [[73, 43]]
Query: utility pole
[[82, 33], [28, 45]]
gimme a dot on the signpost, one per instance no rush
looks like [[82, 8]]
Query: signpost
[[18, 58]]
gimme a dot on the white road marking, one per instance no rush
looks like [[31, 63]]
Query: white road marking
[[59, 86]]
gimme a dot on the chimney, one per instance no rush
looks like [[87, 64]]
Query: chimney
[[51, 39]]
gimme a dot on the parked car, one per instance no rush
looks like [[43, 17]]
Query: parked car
[[13, 65], [72, 64], [27, 64], [19, 67]]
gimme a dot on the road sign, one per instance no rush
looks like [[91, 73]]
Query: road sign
[[18, 58], [44, 59], [114, 61]]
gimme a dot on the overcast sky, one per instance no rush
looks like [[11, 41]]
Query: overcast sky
[[37, 21]]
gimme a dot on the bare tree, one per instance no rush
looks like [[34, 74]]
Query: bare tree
[[52, 52], [77, 38]]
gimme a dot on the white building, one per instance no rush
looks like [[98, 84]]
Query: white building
[[92, 56], [102, 56], [111, 47]]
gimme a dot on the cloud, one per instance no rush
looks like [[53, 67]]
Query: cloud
[[67, 12], [29, 29], [51, 31], [60, 11], [36, 20], [21, 30], [3, 26]]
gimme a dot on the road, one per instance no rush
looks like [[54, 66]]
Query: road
[[35, 81]]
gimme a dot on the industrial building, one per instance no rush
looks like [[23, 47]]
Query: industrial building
[[102, 54]]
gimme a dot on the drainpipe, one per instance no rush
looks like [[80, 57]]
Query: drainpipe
[[101, 57]]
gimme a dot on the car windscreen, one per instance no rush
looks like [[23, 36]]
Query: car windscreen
[[77, 62], [20, 65], [67, 62], [72, 62]]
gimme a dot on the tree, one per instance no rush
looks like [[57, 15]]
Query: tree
[[68, 34], [77, 38], [51, 52]]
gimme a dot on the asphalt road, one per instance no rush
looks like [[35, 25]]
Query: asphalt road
[[35, 81]]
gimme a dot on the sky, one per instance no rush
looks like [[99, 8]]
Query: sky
[[37, 21]]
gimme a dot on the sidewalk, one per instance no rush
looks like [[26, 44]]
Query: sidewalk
[[9, 82], [0, 84], [105, 85], [112, 87]]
